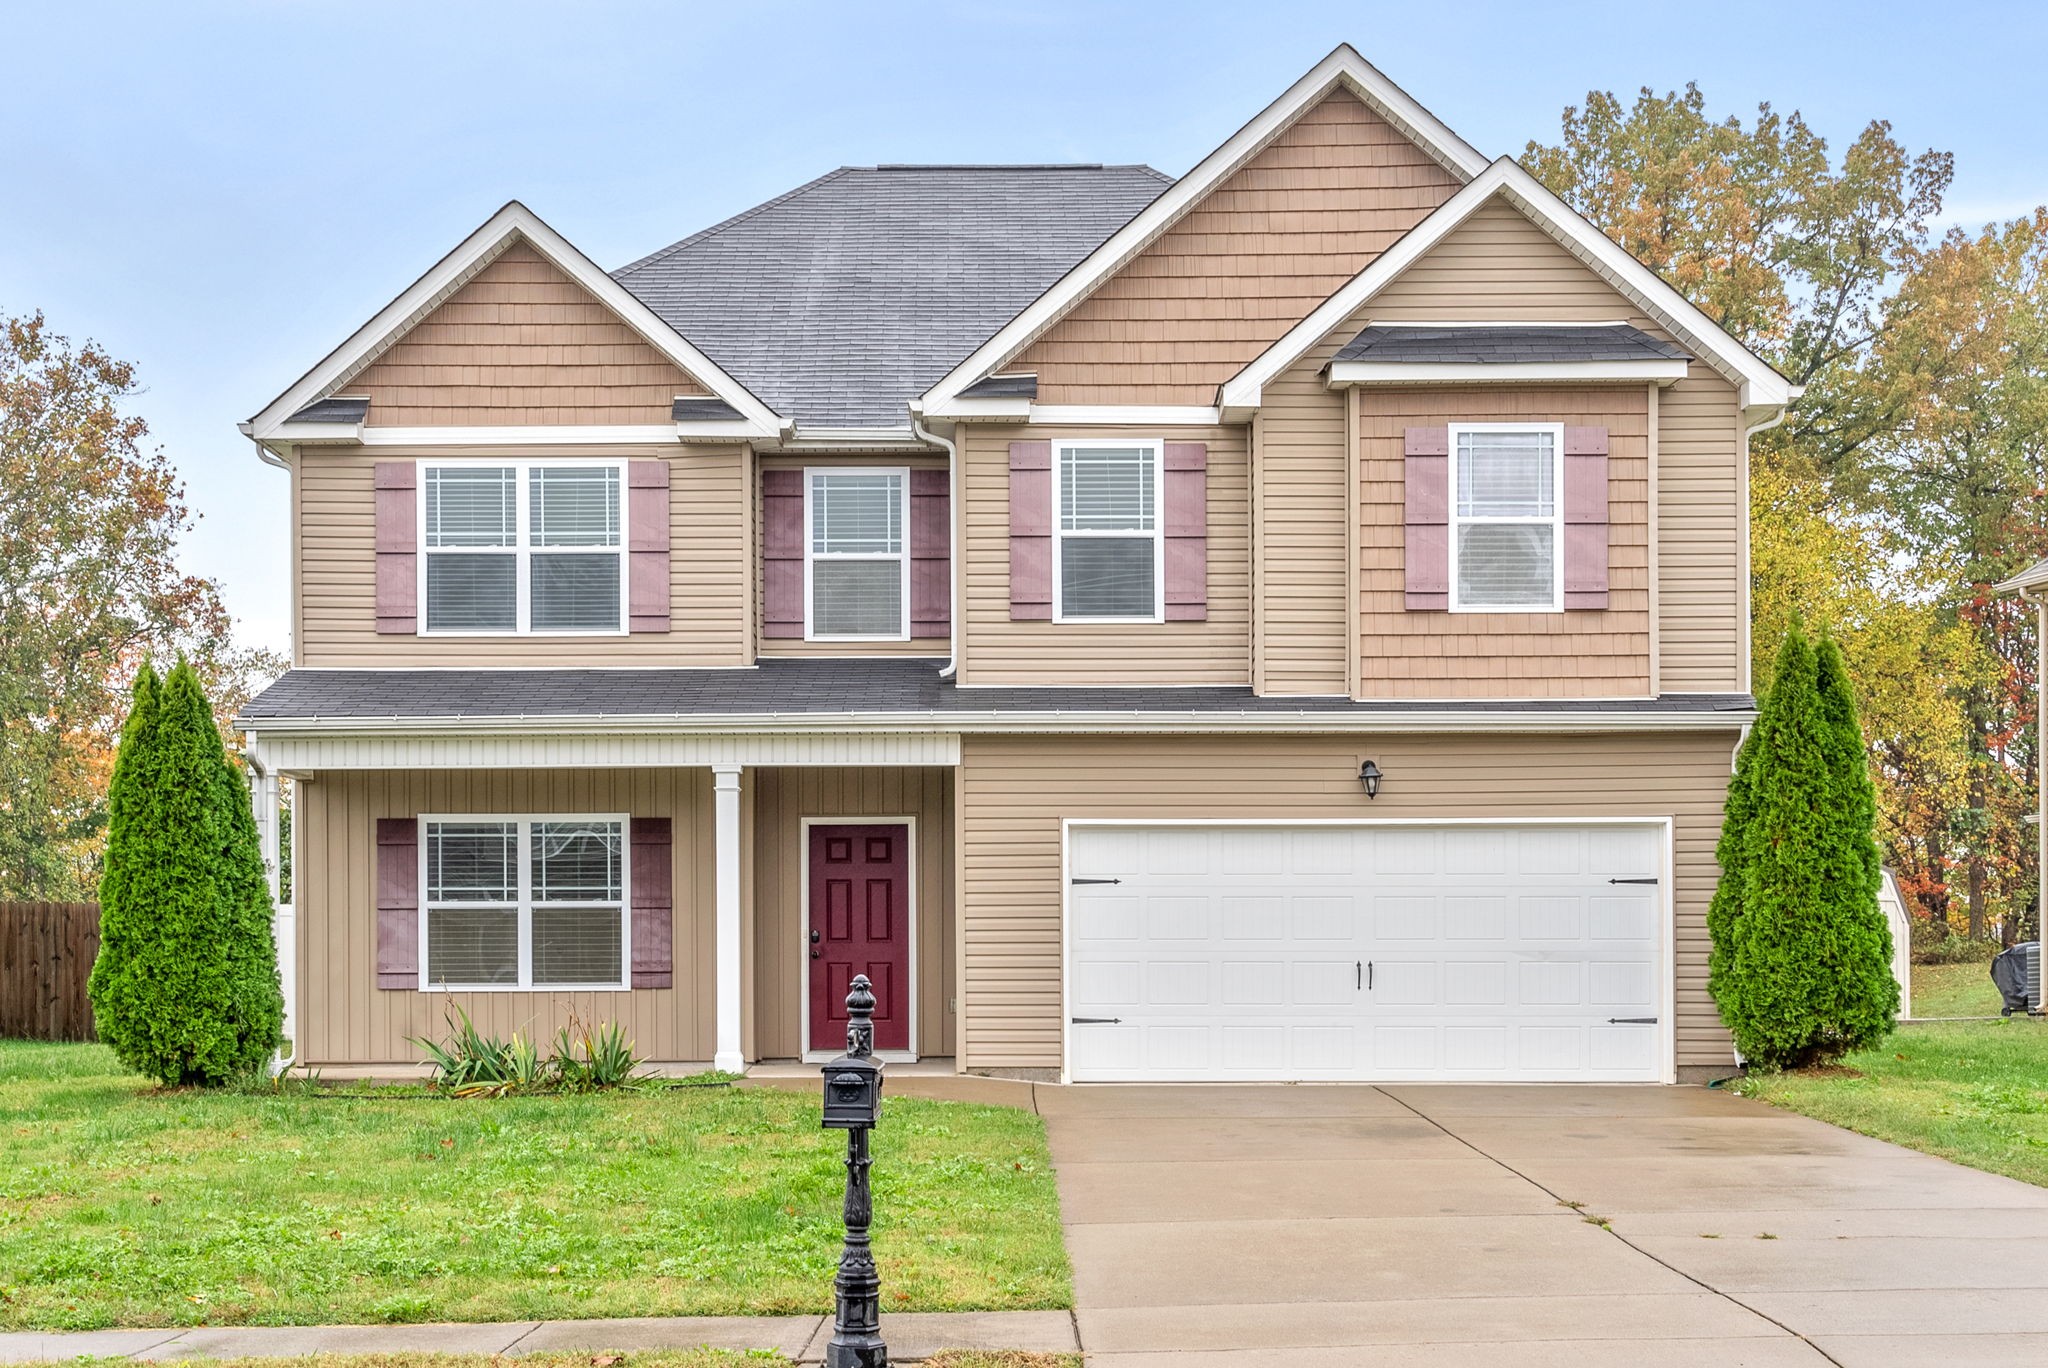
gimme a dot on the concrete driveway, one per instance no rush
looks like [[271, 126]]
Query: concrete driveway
[[1442, 1227]]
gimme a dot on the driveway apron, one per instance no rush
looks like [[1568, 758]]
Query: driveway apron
[[1583, 1226]]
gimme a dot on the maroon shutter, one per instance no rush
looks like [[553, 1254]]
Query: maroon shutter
[[931, 566], [1031, 531], [653, 903], [782, 553], [647, 545], [398, 902], [1426, 496], [1187, 531], [397, 547], [1585, 517]]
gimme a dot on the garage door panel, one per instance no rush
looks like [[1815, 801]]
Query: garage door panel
[[1495, 953]]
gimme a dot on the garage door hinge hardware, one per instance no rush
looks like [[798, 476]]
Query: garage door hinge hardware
[[1641, 881], [1096, 1021], [1095, 881], [1631, 1021]]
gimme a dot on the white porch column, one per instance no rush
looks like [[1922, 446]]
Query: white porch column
[[725, 801]]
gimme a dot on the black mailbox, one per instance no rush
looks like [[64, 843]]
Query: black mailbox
[[853, 1082]]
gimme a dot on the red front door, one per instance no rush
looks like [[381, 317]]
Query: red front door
[[860, 924]]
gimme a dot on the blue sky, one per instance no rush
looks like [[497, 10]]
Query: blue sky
[[221, 192]]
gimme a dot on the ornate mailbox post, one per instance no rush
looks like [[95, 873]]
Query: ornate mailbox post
[[853, 1103]]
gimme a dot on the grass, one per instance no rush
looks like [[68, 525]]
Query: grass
[[123, 1204], [1972, 1091], [1952, 990]]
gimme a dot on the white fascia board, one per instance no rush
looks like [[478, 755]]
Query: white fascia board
[[1343, 67], [582, 435], [1133, 415], [988, 722], [977, 410], [1761, 385], [1659, 370], [510, 224], [315, 433]]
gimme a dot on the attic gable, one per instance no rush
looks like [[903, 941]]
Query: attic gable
[[1247, 262], [522, 343]]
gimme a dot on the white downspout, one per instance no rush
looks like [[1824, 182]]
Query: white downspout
[[264, 805], [955, 554]]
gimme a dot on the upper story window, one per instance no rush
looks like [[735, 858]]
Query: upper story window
[[856, 559], [524, 902], [521, 546], [1507, 517], [1107, 557]]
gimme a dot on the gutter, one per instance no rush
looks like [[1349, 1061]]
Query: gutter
[[954, 556], [263, 452]]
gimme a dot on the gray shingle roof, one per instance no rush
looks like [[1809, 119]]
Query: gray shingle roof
[[703, 411], [1002, 387], [1503, 345], [842, 300], [807, 686], [333, 411]]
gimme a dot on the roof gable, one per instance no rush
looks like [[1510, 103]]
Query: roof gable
[[1571, 286], [1267, 244], [1342, 69], [512, 226]]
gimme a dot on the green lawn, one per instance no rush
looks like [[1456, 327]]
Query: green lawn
[[124, 1205], [1975, 1092], [1952, 990]]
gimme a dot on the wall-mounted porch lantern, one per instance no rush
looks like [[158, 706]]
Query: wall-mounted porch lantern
[[1369, 779]]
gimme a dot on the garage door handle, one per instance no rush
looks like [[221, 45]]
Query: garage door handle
[[1638, 881], [1631, 1021], [1095, 1021], [1095, 881]]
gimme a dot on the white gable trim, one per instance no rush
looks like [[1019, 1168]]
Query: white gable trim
[[1343, 67], [515, 222], [1656, 370], [1761, 386]]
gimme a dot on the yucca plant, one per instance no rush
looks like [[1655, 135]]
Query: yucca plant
[[470, 1063], [588, 1060]]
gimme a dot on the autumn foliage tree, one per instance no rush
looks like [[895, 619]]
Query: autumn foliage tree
[[89, 585]]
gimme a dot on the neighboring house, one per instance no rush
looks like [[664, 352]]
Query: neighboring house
[[996, 580]]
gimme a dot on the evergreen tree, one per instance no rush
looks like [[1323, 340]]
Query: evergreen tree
[[1801, 964], [185, 988]]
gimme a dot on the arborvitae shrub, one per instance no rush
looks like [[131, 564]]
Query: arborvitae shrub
[[185, 988]]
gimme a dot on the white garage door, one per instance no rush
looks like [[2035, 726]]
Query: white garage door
[[1504, 952]]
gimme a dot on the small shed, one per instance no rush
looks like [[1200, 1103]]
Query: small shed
[[1902, 940]]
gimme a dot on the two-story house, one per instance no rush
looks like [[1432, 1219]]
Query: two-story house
[[1284, 623]]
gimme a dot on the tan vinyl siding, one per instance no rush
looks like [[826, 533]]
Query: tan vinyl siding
[[1498, 266], [791, 648], [782, 798], [520, 344], [1701, 523], [344, 1019], [999, 651], [337, 571], [1586, 654], [1266, 246], [1015, 791]]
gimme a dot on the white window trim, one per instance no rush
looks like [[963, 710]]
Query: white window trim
[[1156, 448], [524, 904], [522, 549], [1556, 519], [902, 474]]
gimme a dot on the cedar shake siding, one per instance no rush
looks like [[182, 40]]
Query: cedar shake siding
[[998, 649], [1015, 791], [1409, 653], [520, 344], [1304, 215], [334, 541]]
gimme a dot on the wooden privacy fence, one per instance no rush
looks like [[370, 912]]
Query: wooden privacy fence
[[46, 953]]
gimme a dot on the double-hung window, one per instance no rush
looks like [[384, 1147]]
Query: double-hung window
[[1507, 524], [856, 559], [522, 546], [1107, 557], [524, 902]]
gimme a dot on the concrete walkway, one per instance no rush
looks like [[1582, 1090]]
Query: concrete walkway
[[802, 1338], [1442, 1227]]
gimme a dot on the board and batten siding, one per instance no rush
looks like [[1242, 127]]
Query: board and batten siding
[[996, 650], [521, 344], [1575, 654], [334, 511], [1015, 792], [1251, 259], [782, 798], [346, 1021]]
